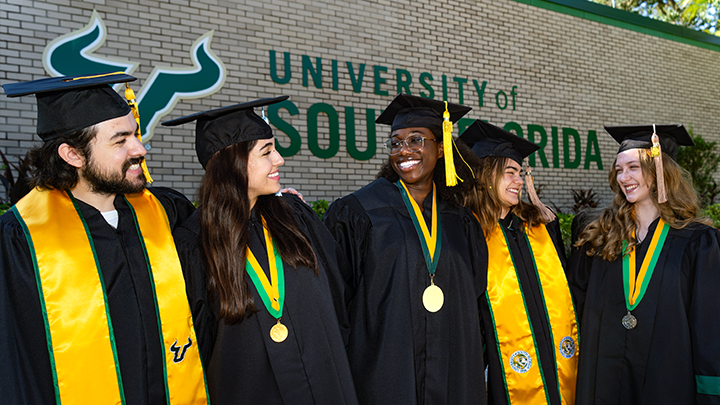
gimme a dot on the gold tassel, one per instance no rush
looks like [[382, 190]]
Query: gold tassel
[[656, 153], [130, 96], [546, 212], [451, 176]]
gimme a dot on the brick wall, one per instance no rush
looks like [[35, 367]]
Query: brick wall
[[566, 72]]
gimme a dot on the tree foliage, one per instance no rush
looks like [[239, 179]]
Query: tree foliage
[[702, 162], [701, 15]]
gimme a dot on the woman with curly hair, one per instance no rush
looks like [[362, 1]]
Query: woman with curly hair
[[647, 271], [418, 267], [529, 321]]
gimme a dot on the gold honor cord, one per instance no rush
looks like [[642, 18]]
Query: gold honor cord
[[559, 307], [185, 379], [635, 290], [272, 292], [524, 381], [77, 323], [431, 242]]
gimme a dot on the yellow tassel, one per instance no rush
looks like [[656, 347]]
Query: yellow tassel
[[451, 176], [656, 153], [532, 194], [130, 96]]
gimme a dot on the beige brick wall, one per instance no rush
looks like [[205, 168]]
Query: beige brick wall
[[569, 72]]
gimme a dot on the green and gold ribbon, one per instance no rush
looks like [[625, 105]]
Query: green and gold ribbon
[[431, 241], [272, 292], [635, 289]]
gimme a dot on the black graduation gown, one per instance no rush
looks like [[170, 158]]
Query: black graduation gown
[[25, 374], [244, 365], [399, 352], [536, 309], [678, 324]]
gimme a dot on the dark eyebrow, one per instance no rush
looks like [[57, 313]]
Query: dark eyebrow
[[125, 133], [512, 168], [266, 145]]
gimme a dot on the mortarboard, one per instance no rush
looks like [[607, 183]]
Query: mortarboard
[[222, 127], [640, 137], [406, 111], [71, 103], [489, 140]]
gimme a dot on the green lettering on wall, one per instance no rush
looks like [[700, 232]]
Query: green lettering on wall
[[335, 84], [444, 84], [351, 140], [379, 80], [356, 81], [592, 143], [537, 129], [514, 126], [424, 76], [313, 133], [571, 163], [504, 102], [460, 81], [480, 91], [284, 126], [273, 68], [555, 148], [463, 123], [403, 79], [307, 67]]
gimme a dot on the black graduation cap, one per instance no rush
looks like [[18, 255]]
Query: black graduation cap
[[639, 137], [222, 127], [407, 111], [489, 140], [71, 103]]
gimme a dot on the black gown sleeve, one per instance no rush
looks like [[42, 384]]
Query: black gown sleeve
[[330, 257], [579, 265], [187, 242], [25, 376], [703, 255], [177, 207]]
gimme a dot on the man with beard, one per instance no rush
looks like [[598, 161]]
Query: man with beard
[[93, 305]]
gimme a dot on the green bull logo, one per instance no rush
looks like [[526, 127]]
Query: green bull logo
[[73, 54]]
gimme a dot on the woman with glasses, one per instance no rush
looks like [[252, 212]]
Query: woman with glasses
[[648, 272], [265, 275], [418, 262], [530, 329]]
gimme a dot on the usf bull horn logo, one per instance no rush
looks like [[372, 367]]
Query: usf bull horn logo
[[73, 54], [180, 351]]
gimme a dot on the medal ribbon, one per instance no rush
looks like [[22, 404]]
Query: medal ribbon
[[79, 332], [272, 292], [633, 294], [430, 241], [558, 306]]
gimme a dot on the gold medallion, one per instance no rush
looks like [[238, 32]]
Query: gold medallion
[[279, 332], [433, 298]]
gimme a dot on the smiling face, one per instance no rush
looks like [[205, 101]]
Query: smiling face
[[631, 178], [416, 168], [262, 169], [115, 154], [509, 186]]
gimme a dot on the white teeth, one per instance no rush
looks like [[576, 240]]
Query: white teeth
[[513, 190], [276, 174], [134, 167], [408, 164], [631, 188]]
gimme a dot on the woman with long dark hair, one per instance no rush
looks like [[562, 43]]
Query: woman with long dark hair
[[530, 328], [646, 273], [418, 266], [272, 321]]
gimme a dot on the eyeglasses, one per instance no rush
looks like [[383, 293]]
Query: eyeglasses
[[414, 143]]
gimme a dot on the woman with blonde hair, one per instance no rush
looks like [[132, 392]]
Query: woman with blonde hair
[[529, 322], [646, 270]]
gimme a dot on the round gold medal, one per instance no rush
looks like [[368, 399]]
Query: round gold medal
[[279, 332], [433, 298]]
